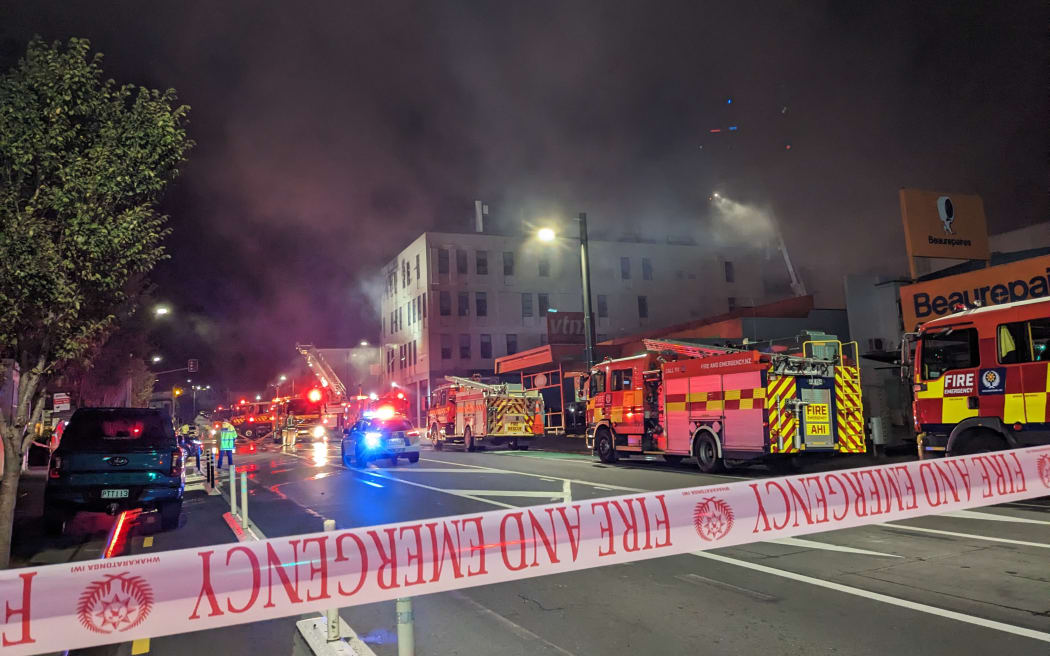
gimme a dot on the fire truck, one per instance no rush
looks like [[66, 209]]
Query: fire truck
[[981, 378], [252, 419], [472, 413], [724, 405]]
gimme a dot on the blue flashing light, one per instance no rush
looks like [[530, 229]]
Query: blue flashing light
[[732, 128], [373, 440], [729, 101]]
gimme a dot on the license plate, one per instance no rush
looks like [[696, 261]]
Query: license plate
[[817, 412], [114, 494], [818, 429]]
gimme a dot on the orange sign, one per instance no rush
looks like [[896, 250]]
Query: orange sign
[[944, 225], [995, 285]]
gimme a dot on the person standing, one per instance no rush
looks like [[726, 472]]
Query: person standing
[[186, 437], [227, 438]]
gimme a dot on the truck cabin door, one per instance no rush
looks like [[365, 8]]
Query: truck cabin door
[[1020, 379]]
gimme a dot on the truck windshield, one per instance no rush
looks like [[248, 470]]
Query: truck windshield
[[945, 351]]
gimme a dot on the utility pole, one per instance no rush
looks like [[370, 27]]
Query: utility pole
[[585, 274]]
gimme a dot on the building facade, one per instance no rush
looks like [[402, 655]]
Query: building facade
[[453, 302]]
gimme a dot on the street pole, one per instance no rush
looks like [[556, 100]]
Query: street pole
[[585, 274]]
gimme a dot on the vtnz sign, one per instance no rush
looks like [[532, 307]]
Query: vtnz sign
[[565, 328]]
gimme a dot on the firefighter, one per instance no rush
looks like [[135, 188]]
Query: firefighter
[[227, 438], [290, 430]]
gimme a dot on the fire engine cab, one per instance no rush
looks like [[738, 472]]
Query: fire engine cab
[[981, 379], [682, 399], [469, 412]]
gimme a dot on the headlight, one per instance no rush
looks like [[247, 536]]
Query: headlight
[[318, 431], [373, 440]]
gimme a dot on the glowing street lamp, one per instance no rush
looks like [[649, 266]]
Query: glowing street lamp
[[364, 342], [156, 359], [161, 310], [546, 234]]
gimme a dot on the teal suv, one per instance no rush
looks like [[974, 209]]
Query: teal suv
[[114, 459]]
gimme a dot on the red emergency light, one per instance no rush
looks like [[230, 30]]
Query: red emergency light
[[314, 395]]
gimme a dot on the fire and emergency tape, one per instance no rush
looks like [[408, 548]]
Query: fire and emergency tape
[[75, 605]]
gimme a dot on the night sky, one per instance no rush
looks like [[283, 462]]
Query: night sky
[[330, 134]]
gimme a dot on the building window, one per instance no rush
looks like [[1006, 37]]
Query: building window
[[545, 266], [643, 307], [508, 263], [603, 306], [526, 305], [464, 346], [486, 346], [446, 347], [512, 344], [647, 269], [625, 268], [481, 304], [730, 274], [461, 262], [415, 354], [445, 303], [400, 319], [481, 263], [424, 304], [543, 300], [463, 304], [417, 266], [443, 260], [732, 303]]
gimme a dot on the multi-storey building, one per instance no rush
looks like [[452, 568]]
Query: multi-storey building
[[455, 301]]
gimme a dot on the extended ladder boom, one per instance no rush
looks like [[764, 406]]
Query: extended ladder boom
[[323, 370], [476, 384]]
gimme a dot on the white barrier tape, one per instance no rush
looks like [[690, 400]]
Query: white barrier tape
[[76, 605]]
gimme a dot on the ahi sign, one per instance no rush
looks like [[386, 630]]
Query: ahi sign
[[565, 328]]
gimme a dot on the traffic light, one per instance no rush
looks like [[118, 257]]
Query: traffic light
[[192, 365]]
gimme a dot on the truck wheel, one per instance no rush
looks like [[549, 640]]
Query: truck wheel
[[604, 447], [55, 521], [705, 448], [468, 439], [169, 515], [673, 459], [979, 441], [523, 447]]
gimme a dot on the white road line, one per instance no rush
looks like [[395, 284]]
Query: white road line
[[825, 546], [513, 627], [518, 473], [754, 594], [971, 514], [886, 599], [511, 493], [435, 470], [971, 536], [590, 462]]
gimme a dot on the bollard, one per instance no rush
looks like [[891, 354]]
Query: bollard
[[244, 499], [233, 491], [332, 614], [406, 640]]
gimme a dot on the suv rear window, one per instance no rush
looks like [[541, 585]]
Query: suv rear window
[[119, 429]]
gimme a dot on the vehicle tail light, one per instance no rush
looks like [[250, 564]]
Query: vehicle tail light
[[176, 463], [56, 465], [251, 420]]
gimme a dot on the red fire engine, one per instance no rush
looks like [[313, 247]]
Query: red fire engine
[[469, 412], [681, 399], [981, 379]]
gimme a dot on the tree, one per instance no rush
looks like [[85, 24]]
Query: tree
[[83, 162]]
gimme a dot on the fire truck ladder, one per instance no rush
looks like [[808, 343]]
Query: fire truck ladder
[[782, 364], [476, 384], [324, 372]]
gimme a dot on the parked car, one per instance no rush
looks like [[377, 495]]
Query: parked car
[[113, 459], [372, 439]]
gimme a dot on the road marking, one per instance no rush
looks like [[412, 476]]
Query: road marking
[[512, 493], [886, 599], [140, 646], [435, 489], [435, 470], [518, 473], [825, 546], [591, 462], [754, 594], [373, 484], [970, 514], [513, 627], [968, 535], [147, 541]]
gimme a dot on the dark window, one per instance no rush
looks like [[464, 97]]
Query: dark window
[[1023, 341], [603, 306], [446, 347], [597, 384], [486, 346], [123, 429], [443, 260], [481, 263], [417, 266], [411, 312], [948, 350], [526, 305], [730, 275], [461, 261], [647, 269], [512, 344], [415, 354], [545, 266], [481, 304], [544, 304], [445, 303], [400, 319], [625, 268], [1040, 332], [424, 304], [464, 347], [621, 379], [643, 307], [463, 304], [732, 303], [508, 263]]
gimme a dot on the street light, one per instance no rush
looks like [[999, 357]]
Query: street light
[[161, 310], [548, 235], [258, 397], [156, 359], [364, 342], [283, 378]]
